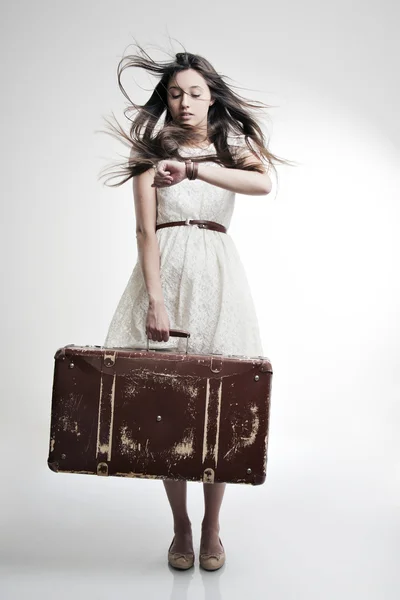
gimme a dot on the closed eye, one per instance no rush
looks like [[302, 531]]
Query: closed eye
[[193, 95]]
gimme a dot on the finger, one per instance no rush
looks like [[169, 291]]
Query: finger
[[164, 168], [162, 182], [162, 185]]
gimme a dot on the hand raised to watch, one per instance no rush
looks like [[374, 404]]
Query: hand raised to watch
[[169, 172]]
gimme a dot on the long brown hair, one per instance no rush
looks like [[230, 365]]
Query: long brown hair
[[230, 115]]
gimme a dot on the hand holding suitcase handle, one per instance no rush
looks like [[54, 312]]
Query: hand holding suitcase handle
[[177, 333]]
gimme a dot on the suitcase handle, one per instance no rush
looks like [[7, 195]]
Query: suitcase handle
[[176, 333]]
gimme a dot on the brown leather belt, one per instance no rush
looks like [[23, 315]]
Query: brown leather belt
[[200, 223]]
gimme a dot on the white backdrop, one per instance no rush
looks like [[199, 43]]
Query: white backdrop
[[321, 252]]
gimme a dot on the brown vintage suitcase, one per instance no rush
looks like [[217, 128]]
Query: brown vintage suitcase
[[160, 414]]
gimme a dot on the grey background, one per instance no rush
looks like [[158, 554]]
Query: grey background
[[321, 253]]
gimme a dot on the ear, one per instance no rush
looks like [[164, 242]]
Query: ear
[[212, 101]]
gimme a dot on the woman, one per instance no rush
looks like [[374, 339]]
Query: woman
[[190, 277]]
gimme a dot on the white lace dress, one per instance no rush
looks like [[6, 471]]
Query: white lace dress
[[204, 283]]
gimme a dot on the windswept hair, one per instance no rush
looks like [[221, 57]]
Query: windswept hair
[[230, 116]]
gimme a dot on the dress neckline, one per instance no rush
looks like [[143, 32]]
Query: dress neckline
[[197, 147]]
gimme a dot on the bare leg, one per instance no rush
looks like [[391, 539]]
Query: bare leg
[[213, 496], [177, 495]]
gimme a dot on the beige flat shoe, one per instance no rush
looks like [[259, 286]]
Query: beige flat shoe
[[212, 562], [179, 560]]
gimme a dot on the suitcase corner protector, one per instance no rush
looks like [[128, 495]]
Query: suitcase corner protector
[[53, 465], [102, 469]]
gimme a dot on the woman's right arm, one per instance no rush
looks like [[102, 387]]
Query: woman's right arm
[[157, 323]]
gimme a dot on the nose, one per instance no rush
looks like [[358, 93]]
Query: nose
[[185, 100]]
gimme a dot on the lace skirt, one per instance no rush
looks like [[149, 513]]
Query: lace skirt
[[205, 291]]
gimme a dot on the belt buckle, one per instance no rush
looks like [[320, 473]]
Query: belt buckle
[[187, 221]]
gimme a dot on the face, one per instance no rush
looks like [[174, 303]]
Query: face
[[188, 92]]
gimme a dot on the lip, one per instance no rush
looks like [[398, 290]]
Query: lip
[[186, 115]]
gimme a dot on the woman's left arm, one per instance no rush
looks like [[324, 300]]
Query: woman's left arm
[[240, 181], [252, 183]]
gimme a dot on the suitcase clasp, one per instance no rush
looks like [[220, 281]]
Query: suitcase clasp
[[216, 363], [109, 359]]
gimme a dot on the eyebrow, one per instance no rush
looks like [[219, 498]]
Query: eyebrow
[[178, 88]]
